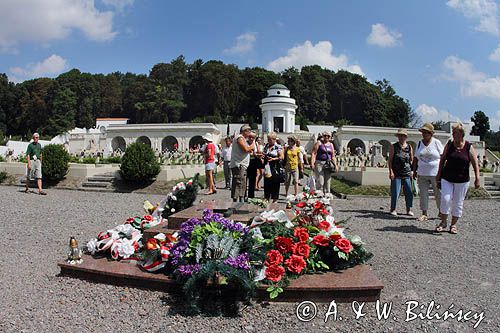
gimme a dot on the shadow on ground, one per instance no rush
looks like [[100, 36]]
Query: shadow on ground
[[374, 214], [408, 229]]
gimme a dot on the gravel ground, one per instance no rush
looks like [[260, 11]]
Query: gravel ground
[[412, 262]]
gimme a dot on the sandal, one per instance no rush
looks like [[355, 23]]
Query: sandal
[[42, 193], [441, 226], [453, 229], [27, 191], [422, 218]]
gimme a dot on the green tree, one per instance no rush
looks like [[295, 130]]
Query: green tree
[[314, 93], [254, 84], [492, 140], [215, 91], [63, 112], [481, 124], [173, 78], [342, 122], [438, 125]]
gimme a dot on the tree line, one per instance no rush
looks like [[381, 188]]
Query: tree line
[[209, 91]]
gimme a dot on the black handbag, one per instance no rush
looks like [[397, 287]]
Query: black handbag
[[278, 173], [329, 166]]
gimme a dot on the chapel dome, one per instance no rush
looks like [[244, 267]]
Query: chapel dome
[[278, 86]]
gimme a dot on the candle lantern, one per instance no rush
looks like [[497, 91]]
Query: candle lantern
[[75, 254]]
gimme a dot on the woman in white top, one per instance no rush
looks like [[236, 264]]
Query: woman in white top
[[426, 166]]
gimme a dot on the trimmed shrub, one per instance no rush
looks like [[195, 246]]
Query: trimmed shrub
[[3, 176], [55, 162], [139, 163], [111, 160], [88, 160]]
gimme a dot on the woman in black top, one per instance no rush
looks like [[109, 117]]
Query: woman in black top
[[400, 159], [273, 154], [453, 177]]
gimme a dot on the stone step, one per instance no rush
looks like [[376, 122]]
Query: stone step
[[92, 189], [491, 187], [494, 192], [489, 183], [100, 179], [96, 184]]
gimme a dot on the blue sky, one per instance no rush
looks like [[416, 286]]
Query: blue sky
[[443, 56]]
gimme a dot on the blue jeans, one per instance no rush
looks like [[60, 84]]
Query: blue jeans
[[396, 190]]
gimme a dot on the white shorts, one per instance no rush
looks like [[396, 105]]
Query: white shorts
[[210, 166]]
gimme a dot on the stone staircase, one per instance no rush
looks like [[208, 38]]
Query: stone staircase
[[493, 190], [101, 183]]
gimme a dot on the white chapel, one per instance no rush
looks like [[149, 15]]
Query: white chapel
[[278, 110]]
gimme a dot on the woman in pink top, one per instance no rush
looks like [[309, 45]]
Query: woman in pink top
[[209, 155]]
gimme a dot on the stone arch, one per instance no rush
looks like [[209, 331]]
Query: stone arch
[[118, 143], [168, 143], [354, 143], [386, 147], [145, 140], [197, 139]]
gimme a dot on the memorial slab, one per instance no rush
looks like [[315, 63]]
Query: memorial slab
[[358, 283], [238, 212]]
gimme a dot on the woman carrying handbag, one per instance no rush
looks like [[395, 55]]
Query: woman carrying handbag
[[273, 156]]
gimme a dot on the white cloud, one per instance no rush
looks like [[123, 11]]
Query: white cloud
[[244, 44], [495, 55], [495, 122], [383, 37], [309, 54], [473, 83], [484, 11], [118, 4], [53, 65], [44, 21], [430, 113], [461, 70], [489, 87]]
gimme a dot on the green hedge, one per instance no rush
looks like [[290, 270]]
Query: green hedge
[[55, 162], [139, 163]]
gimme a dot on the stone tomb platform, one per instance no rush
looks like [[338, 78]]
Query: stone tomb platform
[[241, 212], [358, 283]]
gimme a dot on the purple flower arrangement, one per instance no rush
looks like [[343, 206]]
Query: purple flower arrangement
[[188, 270], [179, 249], [242, 261]]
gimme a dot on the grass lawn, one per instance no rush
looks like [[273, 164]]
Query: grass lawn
[[350, 188]]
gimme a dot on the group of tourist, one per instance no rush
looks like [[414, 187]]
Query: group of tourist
[[445, 169], [248, 162]]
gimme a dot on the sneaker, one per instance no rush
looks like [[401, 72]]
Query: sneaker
[[410, 213], [394, 213]]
